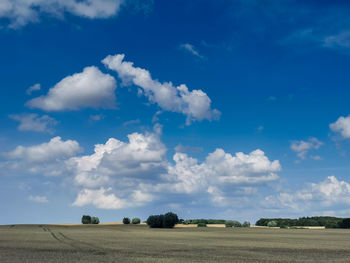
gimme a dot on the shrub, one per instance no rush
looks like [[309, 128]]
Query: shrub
[[272, 223], [136, 221], [126, 220], [201, 224], [95, 220], [170, 219], [86, 219], [246, 224], [229, 223]]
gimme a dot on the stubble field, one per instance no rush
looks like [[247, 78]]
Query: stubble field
[[98, 243]]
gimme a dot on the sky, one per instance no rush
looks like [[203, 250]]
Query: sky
[[210, 109]]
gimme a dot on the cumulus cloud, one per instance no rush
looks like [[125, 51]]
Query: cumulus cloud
[[342, 125], [138, 171], [100, 198], [191, 49], [21, 12], [38, 199], [90, 88], [303, 147], [122, 174], [119, 167], [220, 169], [32, 122], [52, 150], [195, 104], [103, 199], [33, 88], [46, 158], [142, 156], [325, 194]]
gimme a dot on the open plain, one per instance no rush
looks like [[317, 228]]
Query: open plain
[[132, 243]]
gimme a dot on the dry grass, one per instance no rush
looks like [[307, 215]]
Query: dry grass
[[216, 225], [135, 243]]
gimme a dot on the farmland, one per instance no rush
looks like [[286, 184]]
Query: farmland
[[135, 243]]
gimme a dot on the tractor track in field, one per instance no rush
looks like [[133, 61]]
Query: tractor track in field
[[75, 244]]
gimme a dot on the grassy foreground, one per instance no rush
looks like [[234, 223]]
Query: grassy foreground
[[94, 243]]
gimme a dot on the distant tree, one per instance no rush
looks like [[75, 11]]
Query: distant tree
[[201, 224], [272, 223], [86, 219], [95, 220], [229, 223], [155, 221], [163, 221], [136, 221], [236, 223], [170, 219], [126, 220], [246, 224], [345, 223]]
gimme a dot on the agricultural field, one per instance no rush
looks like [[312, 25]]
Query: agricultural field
[[136, 243]]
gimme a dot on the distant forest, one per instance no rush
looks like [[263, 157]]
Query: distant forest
[[327, 221]]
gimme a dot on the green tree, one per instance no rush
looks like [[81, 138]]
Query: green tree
[[136, 221], [246, 224], [272, 223], [170, 219], [95, 220], [126, 220], [86, 219]]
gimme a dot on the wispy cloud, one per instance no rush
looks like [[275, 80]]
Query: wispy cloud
[[303, 147], [127, 123], [191, 50], [38, 199], [19, 13], [33, 88], [33, 122]]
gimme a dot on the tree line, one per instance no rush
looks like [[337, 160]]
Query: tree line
[[326, 221]]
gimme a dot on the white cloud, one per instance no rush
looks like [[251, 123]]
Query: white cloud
[[141, 157], [22, 12], [136, 172], [122, 167], [33, 88], [38, 199], [32, 122], [52, 150], [44, 159], [323, 195], [195, 104], [221, 174], [303, 147], [90, 88], [103, 199], [100, 199], [342, 125], [191, 49]]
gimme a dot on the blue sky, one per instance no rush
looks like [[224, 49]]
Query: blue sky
[[211, 109]]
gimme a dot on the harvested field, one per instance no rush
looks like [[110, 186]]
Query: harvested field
[[135, 243]]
